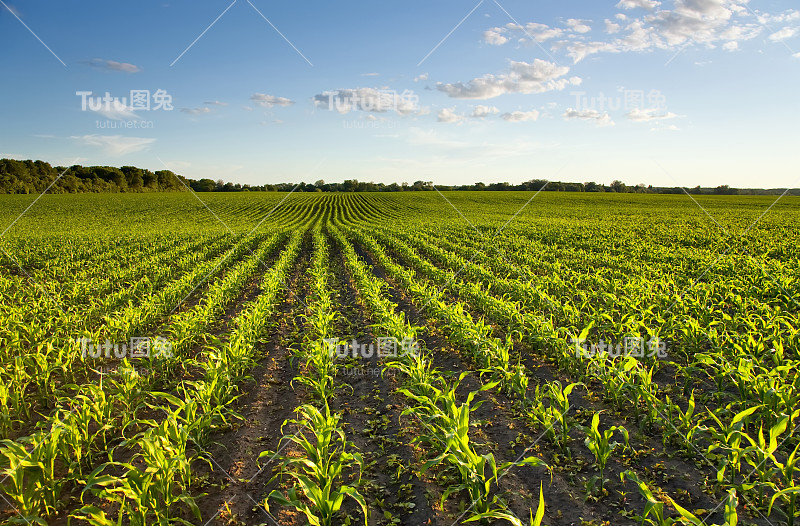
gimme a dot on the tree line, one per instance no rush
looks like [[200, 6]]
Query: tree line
[[29, 177]]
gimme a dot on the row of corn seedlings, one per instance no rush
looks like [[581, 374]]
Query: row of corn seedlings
[[318, 477], [433, 401]]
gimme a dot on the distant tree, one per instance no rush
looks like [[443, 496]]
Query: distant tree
[[618, 186], [134, 177], [725, 190], [535, 184], [204, 185], [499, 186]]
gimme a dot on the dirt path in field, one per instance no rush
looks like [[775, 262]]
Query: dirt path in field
[[237, 483], [372, 420]]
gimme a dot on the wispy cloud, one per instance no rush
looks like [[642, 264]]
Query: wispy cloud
[[196, 111], [481, 111], [115, 145], [601, 119], [520, 116], [648, 115], [537, 77], [783, 34], [268, 101], [113, 65], [449, 115]]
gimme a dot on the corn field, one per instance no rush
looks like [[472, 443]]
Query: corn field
[[414, 358]]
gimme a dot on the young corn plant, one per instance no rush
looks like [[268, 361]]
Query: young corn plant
[[599, 443], [559, 403], [790, 490], [30, 478], [682, 424], [319, 474], [149, 496], [760, 452], [544, 415], [504, 515], [447, 429], [728, 438], [655, 510]]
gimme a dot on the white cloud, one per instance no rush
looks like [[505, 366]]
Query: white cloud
[[268, 101], [601, 119], [196, 111], [520, 116], [484, 111], [537, 77], [783, 34], [370, 74], [494, 37], [115, 145], [113, 65], [366, 99], [579, 26], [449, 115], [539, 32], [787, 16], [643, 4], [709, 23], [215, 103], [649, 114], [11, 156], [422, 77], [796, 55]]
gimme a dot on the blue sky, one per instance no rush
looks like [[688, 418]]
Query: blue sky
[[696, 91]]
